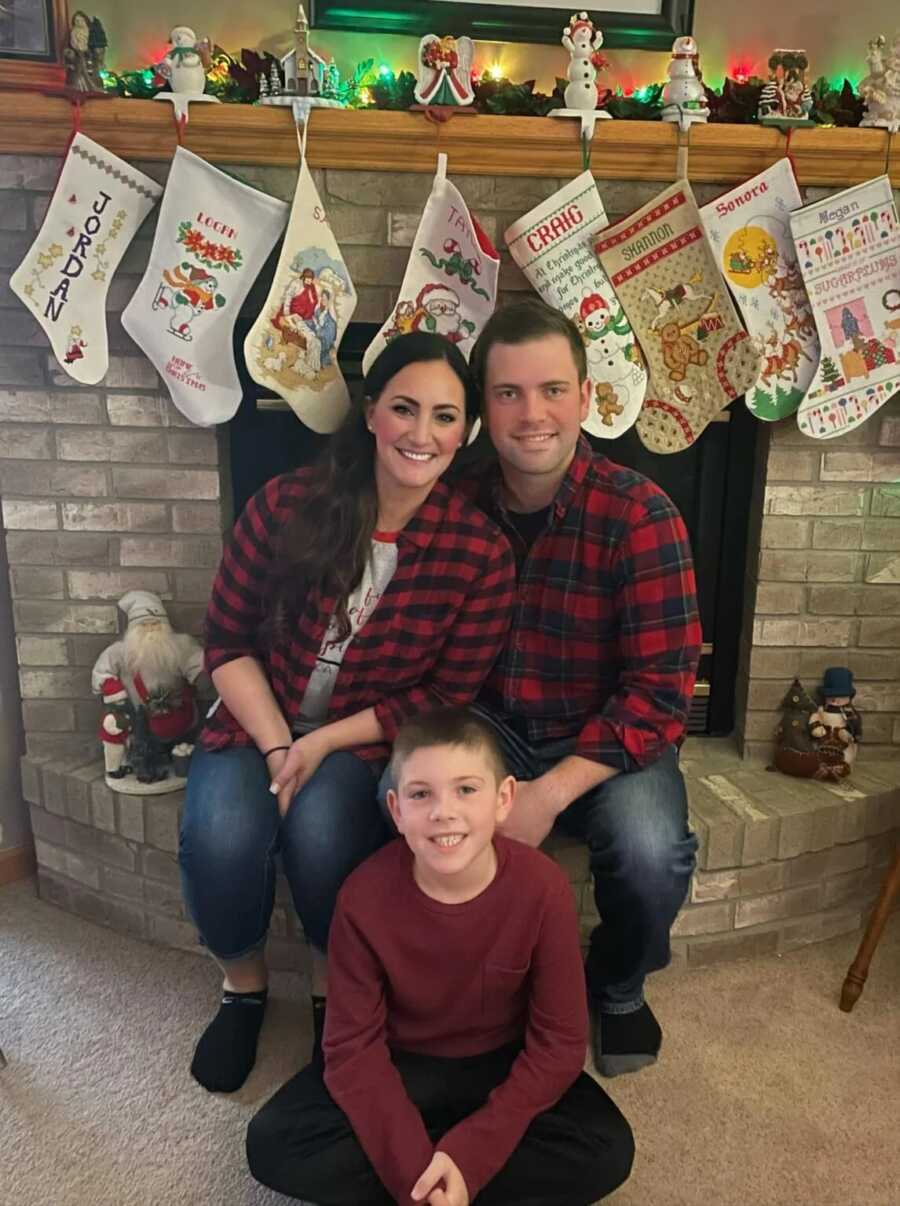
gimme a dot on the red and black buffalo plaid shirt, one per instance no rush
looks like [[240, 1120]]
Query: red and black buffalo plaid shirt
[[431, 639], [606, 636]]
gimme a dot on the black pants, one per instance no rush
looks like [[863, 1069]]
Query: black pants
[[302, 1144]]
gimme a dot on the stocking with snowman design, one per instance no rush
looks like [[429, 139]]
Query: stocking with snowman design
[[552, 246]]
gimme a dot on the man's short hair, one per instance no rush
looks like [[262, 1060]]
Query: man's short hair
[[521, 322], [447, 726]]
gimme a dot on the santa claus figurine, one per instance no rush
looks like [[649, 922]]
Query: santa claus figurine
[[115, 725], [155, 667]]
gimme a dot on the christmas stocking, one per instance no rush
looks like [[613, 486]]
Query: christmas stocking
[[700, 358], [212, 238], [847, 247], [450, 283], [99, 203], [552, 246], [292, 347], [750, 231]]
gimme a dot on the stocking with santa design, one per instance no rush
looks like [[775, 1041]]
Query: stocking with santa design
[[450, 283]]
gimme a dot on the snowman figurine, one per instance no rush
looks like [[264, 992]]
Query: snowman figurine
[[184, 67], [684, 97], [583, 43]]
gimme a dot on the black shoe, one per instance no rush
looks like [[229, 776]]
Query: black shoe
[[625, 1042]]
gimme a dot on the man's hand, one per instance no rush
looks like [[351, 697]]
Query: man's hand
[[293, 768], [533, 813], [441, 1184]]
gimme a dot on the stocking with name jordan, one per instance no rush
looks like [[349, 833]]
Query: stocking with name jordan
[[552, 246], [848, 248], [750, 229], [450, 283], [213, 236], [96, 209], [700, 357]]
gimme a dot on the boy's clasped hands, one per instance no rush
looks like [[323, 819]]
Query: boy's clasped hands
[[441, 1184]]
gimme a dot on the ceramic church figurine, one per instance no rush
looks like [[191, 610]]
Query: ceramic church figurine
[[881, 87], [684, 97]]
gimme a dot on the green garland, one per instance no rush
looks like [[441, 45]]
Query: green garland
[[236, 81]]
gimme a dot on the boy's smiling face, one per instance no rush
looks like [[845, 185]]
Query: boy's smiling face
[[447, 804]]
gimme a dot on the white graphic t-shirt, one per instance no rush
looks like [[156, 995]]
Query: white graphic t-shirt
[[380, 568]]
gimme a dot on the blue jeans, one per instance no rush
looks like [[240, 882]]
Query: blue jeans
[[642, 856], [231, 831]]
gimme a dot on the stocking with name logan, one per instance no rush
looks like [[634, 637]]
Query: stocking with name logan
[[213, 237]]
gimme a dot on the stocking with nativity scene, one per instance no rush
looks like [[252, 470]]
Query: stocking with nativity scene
[[292, 348], [552, 246], [450, 283], [700, 357], [749, 228], [94, 213], [847, 248], [213, 236]]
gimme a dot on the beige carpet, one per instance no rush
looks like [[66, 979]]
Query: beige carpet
[[766, 1095]]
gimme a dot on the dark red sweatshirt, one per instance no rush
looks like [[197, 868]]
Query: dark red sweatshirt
[[407, 972]]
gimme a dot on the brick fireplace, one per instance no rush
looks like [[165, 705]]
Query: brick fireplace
[[108, 489]]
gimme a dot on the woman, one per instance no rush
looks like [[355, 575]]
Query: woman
[[351, 596]]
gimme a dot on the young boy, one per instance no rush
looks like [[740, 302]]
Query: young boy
[[457, 1015]]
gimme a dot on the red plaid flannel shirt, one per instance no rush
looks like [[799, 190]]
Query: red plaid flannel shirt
[[605, 635], [431, 640]]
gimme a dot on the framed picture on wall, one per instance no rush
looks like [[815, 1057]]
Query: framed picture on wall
[[31, 42], [644, 24]]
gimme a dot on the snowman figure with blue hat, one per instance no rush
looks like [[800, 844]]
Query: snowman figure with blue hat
[[836, 725]]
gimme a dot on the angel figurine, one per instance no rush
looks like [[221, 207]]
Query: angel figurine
[[445, 71]]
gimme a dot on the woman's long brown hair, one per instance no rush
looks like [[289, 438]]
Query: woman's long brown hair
[[324, 547]]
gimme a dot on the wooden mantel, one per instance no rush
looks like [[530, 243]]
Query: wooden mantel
[[476, 145]]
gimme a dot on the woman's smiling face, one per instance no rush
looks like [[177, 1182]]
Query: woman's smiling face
[[419, 422]]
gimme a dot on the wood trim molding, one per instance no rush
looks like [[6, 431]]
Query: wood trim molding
[[18, 862], [377, 140]]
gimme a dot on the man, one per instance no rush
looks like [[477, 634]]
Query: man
[[591, 693]]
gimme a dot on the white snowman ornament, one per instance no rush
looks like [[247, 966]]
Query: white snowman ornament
[[583, 42], [684, 97], [184, 67]]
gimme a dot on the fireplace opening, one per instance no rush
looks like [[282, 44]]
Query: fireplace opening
[[710, 483]]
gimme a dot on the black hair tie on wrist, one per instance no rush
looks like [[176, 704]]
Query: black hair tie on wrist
[[274, 748]]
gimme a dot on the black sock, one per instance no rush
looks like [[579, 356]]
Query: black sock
[[226, 1051], [635, 1033], [318, 1020]]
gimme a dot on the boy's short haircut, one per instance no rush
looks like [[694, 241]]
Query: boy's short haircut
[[447, 726], [522, 322]]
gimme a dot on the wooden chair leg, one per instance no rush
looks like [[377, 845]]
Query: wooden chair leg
[[859, 968]]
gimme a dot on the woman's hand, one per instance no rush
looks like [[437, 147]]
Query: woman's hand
[[292, 769]]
